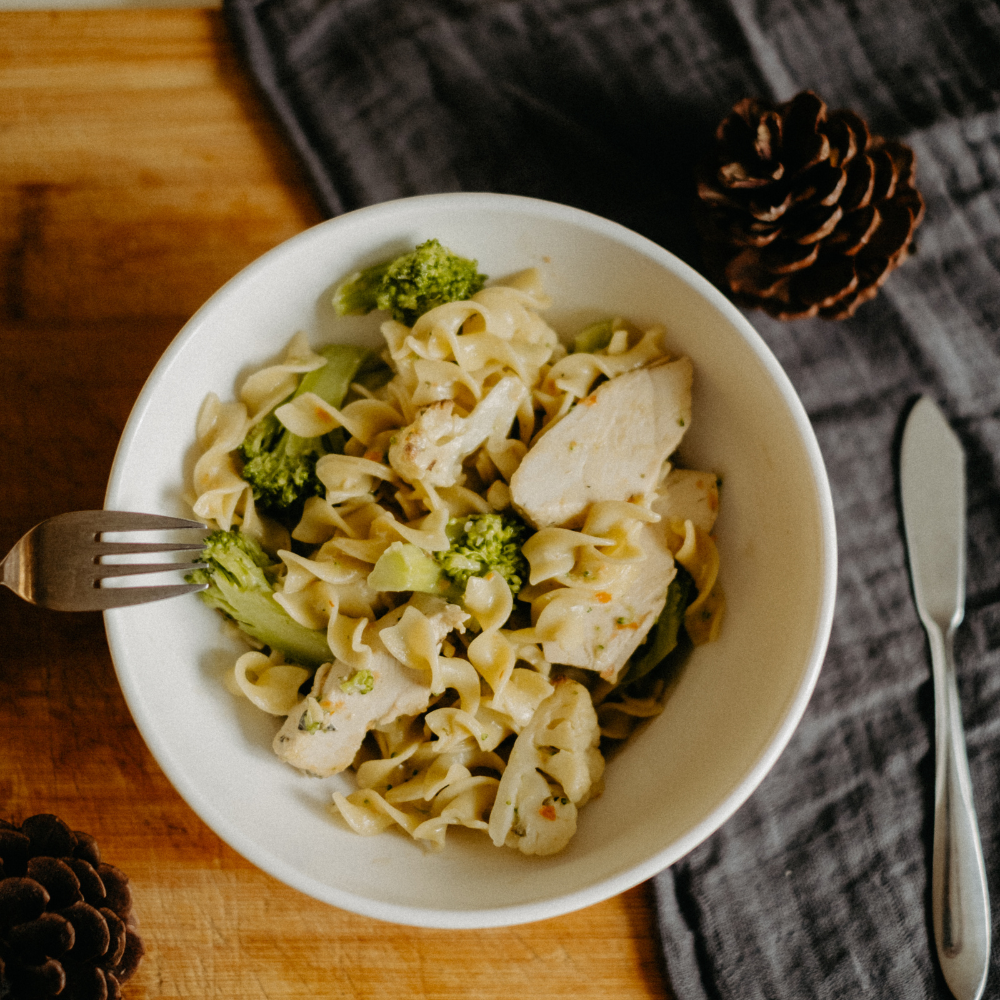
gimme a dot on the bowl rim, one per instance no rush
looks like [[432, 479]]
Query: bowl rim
[[628, 878]]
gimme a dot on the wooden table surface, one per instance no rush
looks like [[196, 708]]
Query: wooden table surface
[[138, 172]]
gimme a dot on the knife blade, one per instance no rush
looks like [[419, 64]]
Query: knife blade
[[932, 487]]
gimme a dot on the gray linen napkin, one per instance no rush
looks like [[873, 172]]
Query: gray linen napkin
[[818, 886]]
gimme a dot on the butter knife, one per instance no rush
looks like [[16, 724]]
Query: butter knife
[[932, 483]]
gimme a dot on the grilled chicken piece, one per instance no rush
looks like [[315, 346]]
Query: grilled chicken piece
[[688, 495], [601, 631], [610, 446], [604, 635], [324, 732]]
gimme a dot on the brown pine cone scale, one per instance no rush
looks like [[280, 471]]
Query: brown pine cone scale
[[67, 928], [803, 211]]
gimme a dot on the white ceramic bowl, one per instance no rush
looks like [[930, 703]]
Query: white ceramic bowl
[[738, 700]]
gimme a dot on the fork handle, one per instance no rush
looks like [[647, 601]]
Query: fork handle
[[959, 895]]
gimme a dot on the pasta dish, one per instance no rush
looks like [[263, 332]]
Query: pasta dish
[[489, 577]]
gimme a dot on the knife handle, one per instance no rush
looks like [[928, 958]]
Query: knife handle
[[959, 895]]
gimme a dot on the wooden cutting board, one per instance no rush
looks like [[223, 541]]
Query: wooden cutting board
[[139, 172]]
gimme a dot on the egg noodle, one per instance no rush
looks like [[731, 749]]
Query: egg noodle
[[486, 709]]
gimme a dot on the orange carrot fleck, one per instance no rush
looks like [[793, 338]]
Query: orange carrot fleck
[[590, 400], [603, 596], [547, 812]]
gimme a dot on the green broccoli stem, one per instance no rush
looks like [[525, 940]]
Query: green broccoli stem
[[406, 567], [331, 382], [264, 619], [358, 295], [593, 338], [237, 571]]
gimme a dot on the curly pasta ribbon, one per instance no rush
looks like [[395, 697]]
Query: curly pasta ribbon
[[552, 552], [699, 556], [300, 571], [220, 490], [619, 718], [270, 683], [347, 478], [619, 522], [367, 813], [345, 636], [415, 644], [312, 606], [465, 803], [263, 390], [516, 692], [453, 727], [310, 416]]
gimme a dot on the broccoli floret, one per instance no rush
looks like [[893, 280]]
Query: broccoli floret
[[280, 466], [240, 587], [484, 542], [479, 543], [410, 285]]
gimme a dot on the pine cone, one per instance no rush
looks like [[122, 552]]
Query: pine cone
[[66, 922], [803, 213]]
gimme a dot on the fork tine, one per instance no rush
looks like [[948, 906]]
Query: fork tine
[[119, 520], [127, 548], [121, 597], [106, 571]]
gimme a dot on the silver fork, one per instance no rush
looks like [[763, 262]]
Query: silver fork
[[58, 564]]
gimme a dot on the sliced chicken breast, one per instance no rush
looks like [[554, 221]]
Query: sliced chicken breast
[[601, 631], [610, 446], [688, 495], [324, 732]]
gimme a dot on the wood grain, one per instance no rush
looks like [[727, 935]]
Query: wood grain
[[138, 172]]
